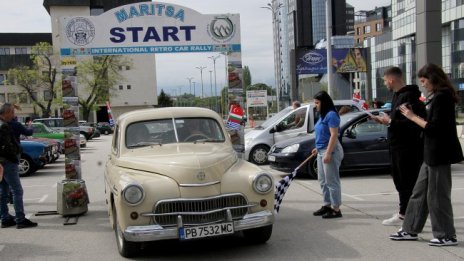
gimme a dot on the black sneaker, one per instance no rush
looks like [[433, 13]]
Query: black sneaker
[[8, 223], [333, 214], [403, 235], [443, 242], [322, 211], [25, 224]]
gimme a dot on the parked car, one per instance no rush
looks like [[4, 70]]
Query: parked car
[[42, 131], [259, 140], [33, 156], [364, 142], [164, 181], [58, 125], [105, 128], [82, 141]]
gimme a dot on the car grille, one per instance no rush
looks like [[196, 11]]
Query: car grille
[[200, 210]]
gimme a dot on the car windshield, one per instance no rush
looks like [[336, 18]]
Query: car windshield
[[271, 121], [178, 130]]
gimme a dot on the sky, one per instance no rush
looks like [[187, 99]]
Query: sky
[[174, 69]]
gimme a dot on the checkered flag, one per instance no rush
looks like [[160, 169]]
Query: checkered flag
[[284, 184]]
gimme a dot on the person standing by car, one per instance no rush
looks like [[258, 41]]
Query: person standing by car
[[432, 192], [406, 143], [329, 156], [9, 151]]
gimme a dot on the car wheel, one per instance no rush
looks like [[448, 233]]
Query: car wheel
[[125, 248], [312, 168], [106, 132], [258, 155], [25, 166], [258, 235]]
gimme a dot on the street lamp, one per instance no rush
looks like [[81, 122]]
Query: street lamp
[[201, 78], [274, 8], [226, 54], [194, 90], [214, 58], [211, 85], [190, 83]]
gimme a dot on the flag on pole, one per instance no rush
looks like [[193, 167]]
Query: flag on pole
[[282, 186], [110, 116], [235, 117]]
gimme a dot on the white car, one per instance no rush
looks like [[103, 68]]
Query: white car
[[167, 179], [82, 140]]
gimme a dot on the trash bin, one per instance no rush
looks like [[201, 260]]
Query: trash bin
[[72, 197]]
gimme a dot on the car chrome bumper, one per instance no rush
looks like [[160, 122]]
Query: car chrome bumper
[[157, 232]]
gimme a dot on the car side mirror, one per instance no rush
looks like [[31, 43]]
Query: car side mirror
[[350, 134]]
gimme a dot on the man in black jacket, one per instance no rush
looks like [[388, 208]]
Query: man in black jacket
[[405, 138], [9, 159]]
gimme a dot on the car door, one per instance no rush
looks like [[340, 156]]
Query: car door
[[287, 126], [365, 144]]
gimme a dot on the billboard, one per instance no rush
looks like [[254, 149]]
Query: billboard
[[343, 60], [256, 98]]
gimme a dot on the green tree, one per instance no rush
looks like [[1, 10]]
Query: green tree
[[97, 77], [246, 77], [164, 100], [41, 76]]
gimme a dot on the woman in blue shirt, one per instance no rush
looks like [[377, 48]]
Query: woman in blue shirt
[[329, 155]]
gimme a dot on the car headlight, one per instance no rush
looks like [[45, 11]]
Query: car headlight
[[291, 149], [133, 194], [262, 183]]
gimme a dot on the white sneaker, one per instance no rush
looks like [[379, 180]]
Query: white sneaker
[[395, 220]]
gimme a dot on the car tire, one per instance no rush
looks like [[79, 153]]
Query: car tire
[[312, 168], [126, 249], [106, 132], [258, 155], [258, 235], [26, 166]]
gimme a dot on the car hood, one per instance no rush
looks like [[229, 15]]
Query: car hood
[[185, 163], [300, 139]]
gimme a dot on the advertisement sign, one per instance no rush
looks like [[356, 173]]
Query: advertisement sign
[[149, 27], [256, 98], [343, 60]]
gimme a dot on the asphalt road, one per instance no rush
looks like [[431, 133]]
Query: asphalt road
[[368, 198]]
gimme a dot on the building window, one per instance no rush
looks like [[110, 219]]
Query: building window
[[367, 29], [121, 87], [378, 27], [34, 96], [358, 31], [47, 95], [12, 98], [3, 79], [4, 51], [129, 87], [120, 68], [22, 97], [20, 50]]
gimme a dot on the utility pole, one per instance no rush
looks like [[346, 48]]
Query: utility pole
[[214, 58], [201, 78], [211, 85], [194, 90], [190, 83]]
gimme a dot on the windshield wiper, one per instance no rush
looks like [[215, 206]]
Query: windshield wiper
[[145, 144]]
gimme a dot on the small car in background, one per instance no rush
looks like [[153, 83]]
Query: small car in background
[[364, 142], [105, 128], [166, 180], [42, 131]]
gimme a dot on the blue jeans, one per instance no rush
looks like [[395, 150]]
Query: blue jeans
[[329, 176], [11, 181]]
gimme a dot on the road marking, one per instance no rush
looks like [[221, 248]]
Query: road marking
[[43, 198], [2, 247], [353, 197], [31, 186], [32, 199], [375, 194]]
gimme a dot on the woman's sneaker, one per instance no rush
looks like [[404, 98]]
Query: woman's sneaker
[[333, 214], [443, 242], [322, 211], [403, 235], [395, 220]]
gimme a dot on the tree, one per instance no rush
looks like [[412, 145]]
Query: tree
[[164, 100], [41, 76], [98, 77], [246, 77]]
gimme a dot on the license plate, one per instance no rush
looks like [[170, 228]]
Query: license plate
[[206, 231], [271, 158]]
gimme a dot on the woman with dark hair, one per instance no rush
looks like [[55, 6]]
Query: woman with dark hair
[[432, 192], [329, 156]]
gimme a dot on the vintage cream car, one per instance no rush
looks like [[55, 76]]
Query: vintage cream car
[[173, 174]]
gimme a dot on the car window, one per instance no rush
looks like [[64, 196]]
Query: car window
[[147, 133], [193, 129], [368, 126], [116, 139]]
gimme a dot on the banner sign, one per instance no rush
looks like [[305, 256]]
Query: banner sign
[[149, 27], [235, 73], [343, 60], [256, 98]]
